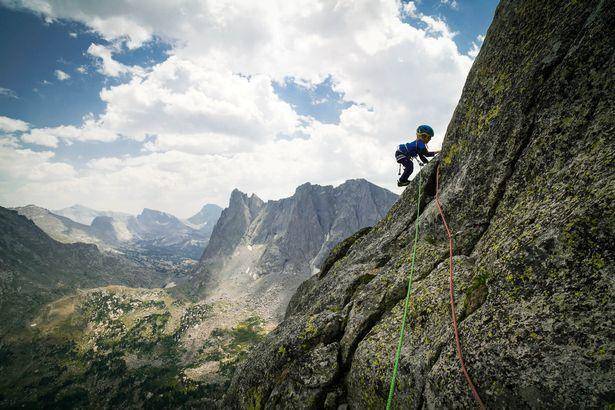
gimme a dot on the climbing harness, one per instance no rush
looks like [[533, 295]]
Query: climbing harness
[[452, 294], [451, 291], [407, 303]]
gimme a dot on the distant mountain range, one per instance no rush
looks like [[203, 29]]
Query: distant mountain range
[[35, 269], [253, 251], [85, 215], [259, 252], [151, 231]]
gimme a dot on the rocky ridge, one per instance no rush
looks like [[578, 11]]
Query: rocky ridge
[[59, 227], [528, 188], [260, 252]]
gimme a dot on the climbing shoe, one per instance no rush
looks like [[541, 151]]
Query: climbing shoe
[[403, 183]]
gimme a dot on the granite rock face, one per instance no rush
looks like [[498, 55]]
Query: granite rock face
[[297, 232], [232, 224], [527, 185], [260, 252]]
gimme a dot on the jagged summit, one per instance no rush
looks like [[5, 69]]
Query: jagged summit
[[348, 183], [279, 243], [148, 212]]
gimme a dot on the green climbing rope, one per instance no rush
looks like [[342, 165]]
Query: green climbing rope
[[407, 303]]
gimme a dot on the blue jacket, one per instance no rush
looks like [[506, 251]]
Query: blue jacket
[[413, 149]]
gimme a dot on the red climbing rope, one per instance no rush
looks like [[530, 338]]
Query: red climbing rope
[[452, 293]]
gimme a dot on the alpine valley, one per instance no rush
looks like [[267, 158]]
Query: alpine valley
[[110, 308]]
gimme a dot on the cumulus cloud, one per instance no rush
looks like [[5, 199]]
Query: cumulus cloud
[[24, 170], [410, 9], [181, 182], [12, 125], [40, 137], [210, 118], [61, 75], [197, 99], [90, 130]]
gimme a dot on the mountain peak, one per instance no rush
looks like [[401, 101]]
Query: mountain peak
[[237, 196], [206, 218], [294, 234]]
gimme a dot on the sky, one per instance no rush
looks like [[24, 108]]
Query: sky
[[126, 104]]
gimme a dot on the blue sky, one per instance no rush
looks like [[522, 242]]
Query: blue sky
[[51, 79], [42, 99], [468, 18]]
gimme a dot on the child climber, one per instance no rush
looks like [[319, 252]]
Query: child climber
[[406, 152]]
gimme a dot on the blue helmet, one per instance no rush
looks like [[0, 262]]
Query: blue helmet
[[425, 129]]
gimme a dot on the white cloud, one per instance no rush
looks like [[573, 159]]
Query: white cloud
[[40, 137], [437, 26], [107, 65], [22, 170], [90, 130], [197, 99], [11, 125], [61, 75], [73, 34], [474, 50], [6, 92], [214, 119], [81, 69], [169, 180]]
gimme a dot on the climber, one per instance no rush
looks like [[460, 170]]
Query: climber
[[406, 152]]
